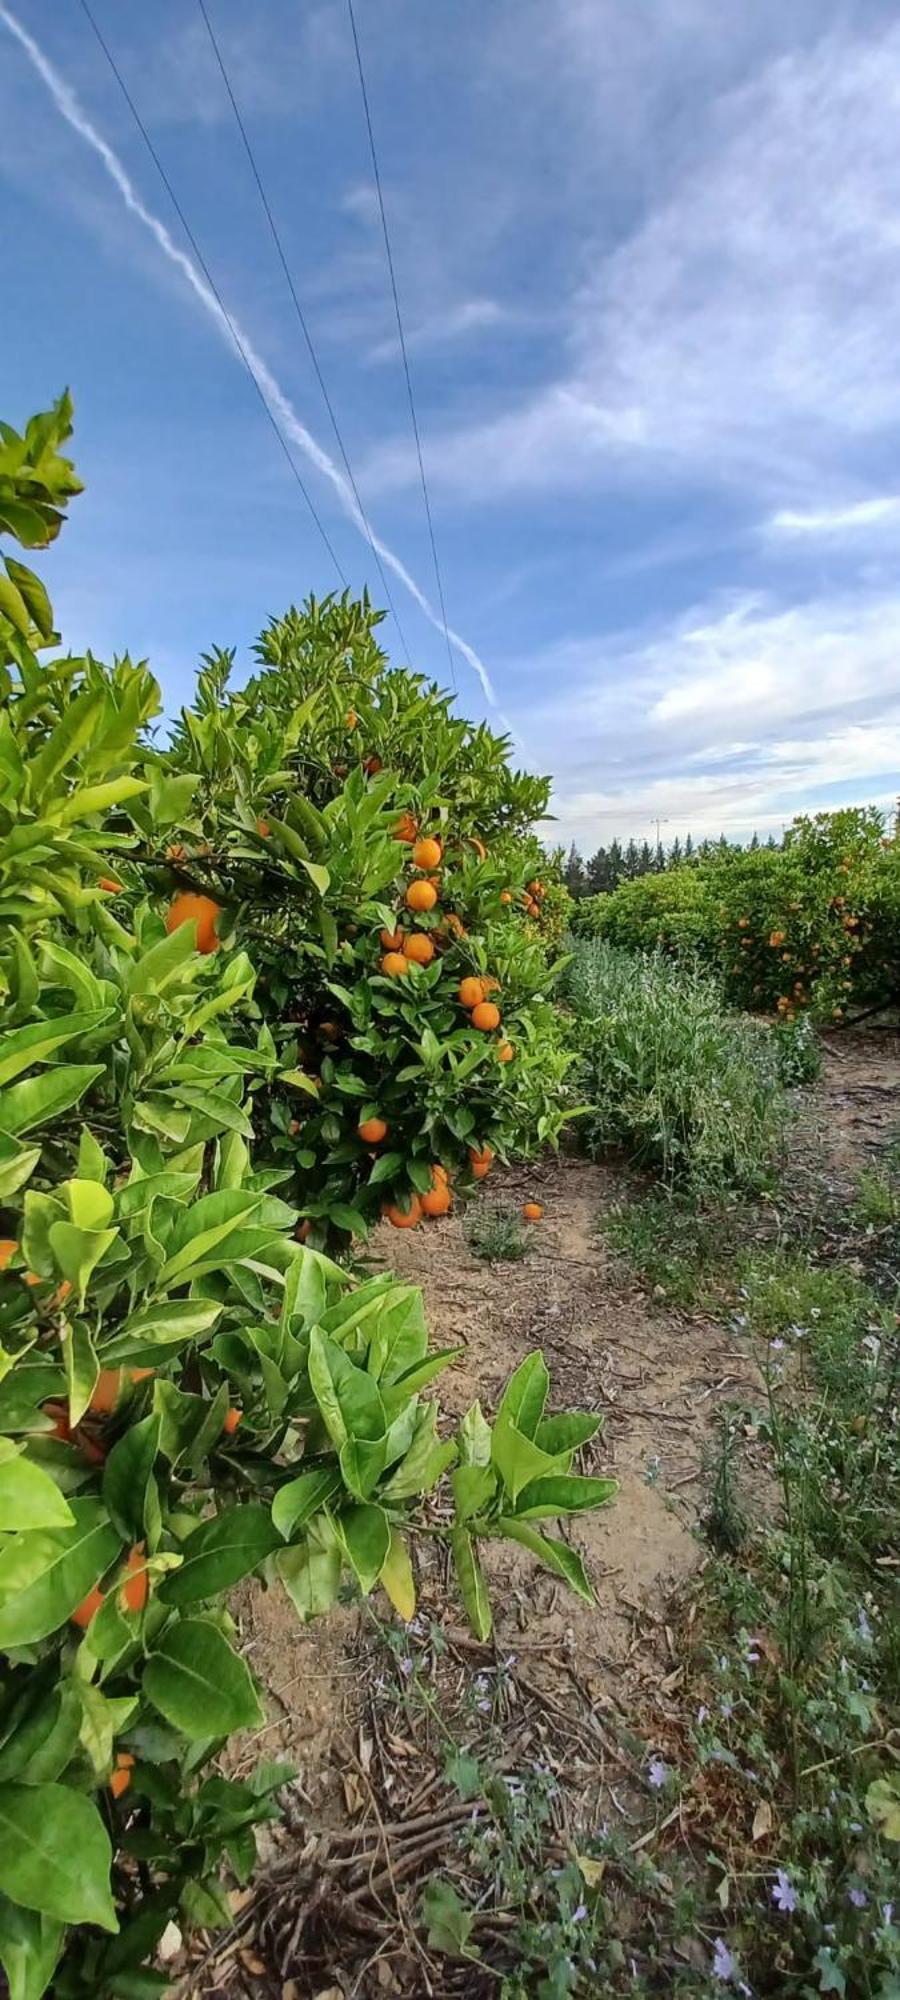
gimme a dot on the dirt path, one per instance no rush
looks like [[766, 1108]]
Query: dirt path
[[656, 1374]]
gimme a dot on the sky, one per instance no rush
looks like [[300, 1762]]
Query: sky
[[648, 261]]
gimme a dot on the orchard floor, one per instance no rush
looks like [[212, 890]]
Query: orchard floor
[[366, 1717]]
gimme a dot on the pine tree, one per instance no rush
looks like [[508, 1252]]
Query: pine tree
[[616, 864], [645, 859], [599, 874], [688, 848], [754, 844], [573, 873], [631, 862], [675, 857]]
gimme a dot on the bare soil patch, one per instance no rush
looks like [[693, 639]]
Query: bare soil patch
[[329, 1918]]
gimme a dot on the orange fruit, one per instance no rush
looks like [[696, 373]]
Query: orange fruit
[[427, 854], [231, 1420], [263, 829], [486, 1016], [84, 1612], [480, 1161], [112, 888], [403, 1218], [535, 888], [775, 939], [140, 1374], [406, 828], [470, 992], [121, 1777], [393, 940], [136, 1590], [742, 923], [372, 1131], [506, 895], [419, 947], [8, 1248], [107, 1389], [188, 908], [176, 852], [439, 1175], [302, 1230], [505, 1052], [532, 1211], [372, 766], [394, 965], [421, 896], [351, 719], [438, 1200]]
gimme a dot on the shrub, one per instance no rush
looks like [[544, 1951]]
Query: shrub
[[496, 1235], [668, 1075], [812, 925], [303, 830], [187, 1394]]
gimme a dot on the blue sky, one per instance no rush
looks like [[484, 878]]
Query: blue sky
[[648, 254]]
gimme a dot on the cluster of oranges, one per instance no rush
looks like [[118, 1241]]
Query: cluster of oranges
[[532, 898]]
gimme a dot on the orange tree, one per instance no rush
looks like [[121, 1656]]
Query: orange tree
[[814, 924], [373, 852], [187, 1394]]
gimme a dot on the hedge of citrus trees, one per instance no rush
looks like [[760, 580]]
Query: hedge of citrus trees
[[189, 1394], [814, 924]]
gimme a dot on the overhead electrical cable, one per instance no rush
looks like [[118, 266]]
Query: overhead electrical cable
[[400, 333], [301, 316], [223, 309]]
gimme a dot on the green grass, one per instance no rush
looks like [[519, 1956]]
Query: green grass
[[672, 1078], [497, 1235], [680, 1252]]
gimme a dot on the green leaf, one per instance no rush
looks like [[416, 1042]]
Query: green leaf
[[295, 1503], [473, 1487], [45, 1573], [568, 1431], [160, 1326], [449, 1923], [831, 1978], [220, 1552], [78, 1252], [93, 1164], [29, 1498], [17, 1164], [471, 1580], [71, 734], [29, 1948], [82, 1366], [563, 1493], [198, 1683], [365, 1535], [97, 799], [362, 1462], [40, 1040], [883, 1806], [126, 1477], [525, 1395], [428, 1456], [474, 1436], [155, 969], [347, 1397], [42, 1098], [32, 590], [553, 1554], [13, 606], [311, 1574], [397, 1576], [205, 1228], [55, 1855]]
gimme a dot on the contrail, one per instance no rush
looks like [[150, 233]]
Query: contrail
[[67, 104]]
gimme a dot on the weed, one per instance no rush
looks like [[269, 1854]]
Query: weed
[[672, 1078], [877, 1202], [496, 1235], [679, 1251], [798, 1051], [725, 1524]]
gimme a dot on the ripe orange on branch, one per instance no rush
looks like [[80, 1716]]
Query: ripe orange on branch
[[486, 1016], [419, 947], [372, 1131], [394, 965], [470, 992], [421, 896], [188, 908], [403, 1218], [393, 940], [427, 854]]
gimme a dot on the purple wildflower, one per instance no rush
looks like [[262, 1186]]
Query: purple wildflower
[[863, 1627], [657, 1773], [406, 1666], [578, 1916], [784, 1895], [858, 1898], [702, 1712], [887, 1913], [776, 1345], [724, 1965]]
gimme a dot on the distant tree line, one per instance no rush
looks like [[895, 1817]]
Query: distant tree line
[[615, 863]]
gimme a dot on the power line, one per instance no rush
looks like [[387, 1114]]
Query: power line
[[409, 387], [276, 238], [232, 329]]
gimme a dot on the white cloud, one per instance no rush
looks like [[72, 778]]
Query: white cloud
[[469, 316], [721, 721], [745, 327], [857, 516]]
